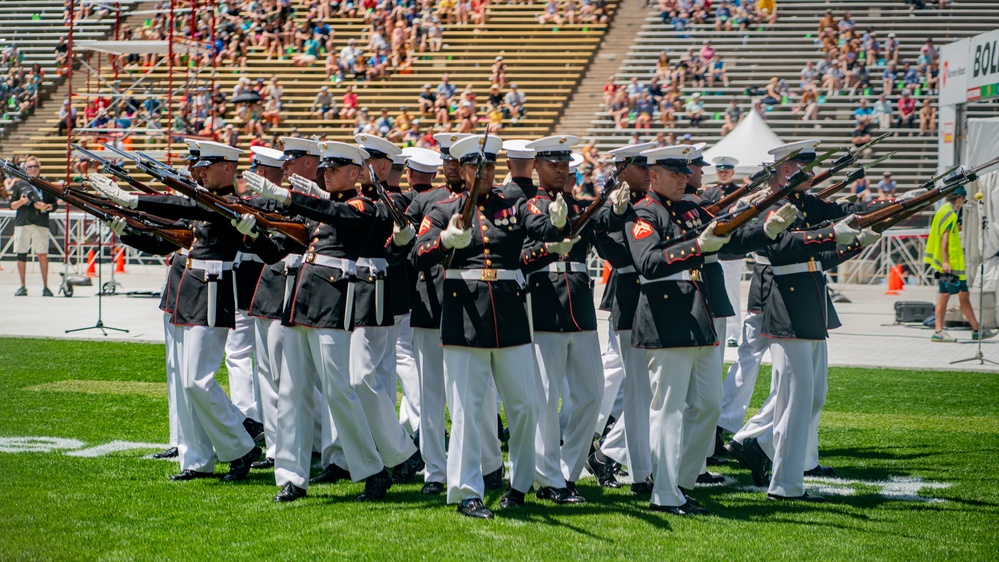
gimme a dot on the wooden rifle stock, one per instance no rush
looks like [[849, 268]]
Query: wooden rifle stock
[[755, 181], [115, 170], [613, 182]]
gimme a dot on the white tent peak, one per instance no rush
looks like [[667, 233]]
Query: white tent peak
[[748, 142]]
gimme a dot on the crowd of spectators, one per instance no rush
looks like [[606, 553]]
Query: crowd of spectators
[[726, 15], [19, 87]]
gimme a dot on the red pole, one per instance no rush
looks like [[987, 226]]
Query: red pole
[[69, 116], [169, 96]]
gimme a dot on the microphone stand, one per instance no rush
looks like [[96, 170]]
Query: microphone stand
[[981, 291], [100, 290]]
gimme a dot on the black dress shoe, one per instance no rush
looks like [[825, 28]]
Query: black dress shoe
[[254, 429], [802, 498], [690, 499], [473, 508], [404, 473], [821, 471], [290, 493], [511, 498], [682, 510], [416, 438], [710, 478], [191, 475], [643, 488], [240, 468], [375, 486], [719, 451], [503, 433], [620, 470], [168, 454], [571, 486], [559, 495], [716, 461], [494, 480], [432, 489], [750, 455], [331, 475], [604, 471], [263, 465]]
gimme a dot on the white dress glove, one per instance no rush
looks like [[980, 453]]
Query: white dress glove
[[852, 198], [265, 188], [710, 243], [246, 225], [558, 211], [308, 187], [779, 221], [868, 237], [454, 237], [620, 198], [561, 248], [845, 234], [403, 236], [117, 225], [911, 194], [110, 189]]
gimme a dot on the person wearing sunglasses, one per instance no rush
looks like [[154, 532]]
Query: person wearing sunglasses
[[31, 226]]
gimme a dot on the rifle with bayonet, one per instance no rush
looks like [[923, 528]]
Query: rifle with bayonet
[[465, 218], [115, 170], [851, 177], [397, 217], [846, 160], [884, 218], [169, 177], [755, 181], [135, 221], [613, 182]]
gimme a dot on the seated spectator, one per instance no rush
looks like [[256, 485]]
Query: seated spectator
[[862, 113], [610, 91], [644, 110], [861, 135], [808, 105], [426, 99], [348, 104], [619, 110], [446, 87], [888, 78], [634, 90], [886, 187], [549, 14], [442, 110], [833, 80], [324, 106], [891, 49], [733, 116], [767, 9], [664, 69], [498, 75], [927, 118], [906, 111], [513, 104], [723, 17], [910, 76], [717, 71], [808, 75], [695, 110], [668, 112], [881, 113], [862, 190]]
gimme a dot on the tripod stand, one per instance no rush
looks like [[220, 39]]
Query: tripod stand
[[981, 288], [100, 290]]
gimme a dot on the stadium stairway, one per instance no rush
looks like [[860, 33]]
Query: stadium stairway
[[35, 27], [546, 62], [781, 50]]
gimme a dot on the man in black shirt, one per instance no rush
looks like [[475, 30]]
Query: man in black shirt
[[31, 225]]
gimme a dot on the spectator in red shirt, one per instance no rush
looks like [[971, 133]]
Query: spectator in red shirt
[[348, 107], [906, 111]]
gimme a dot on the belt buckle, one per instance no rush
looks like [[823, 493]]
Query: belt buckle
[[488, 275], [310, 258], [188, 263], [695, 275], [561, 267], [812, 267]]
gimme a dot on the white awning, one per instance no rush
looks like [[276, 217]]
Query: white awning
[[748, 143], [136, 47]]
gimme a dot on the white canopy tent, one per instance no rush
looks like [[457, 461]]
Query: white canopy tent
[[138, 47], [748, 143], [982, 140]]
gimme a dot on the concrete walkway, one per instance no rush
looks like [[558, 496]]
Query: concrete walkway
[[868, 338]]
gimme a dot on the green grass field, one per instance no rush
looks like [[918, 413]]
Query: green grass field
[[878, 425]]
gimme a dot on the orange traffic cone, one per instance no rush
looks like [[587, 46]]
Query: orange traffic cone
[[119, 261], [605, 274], [91, 261], [895, 283]]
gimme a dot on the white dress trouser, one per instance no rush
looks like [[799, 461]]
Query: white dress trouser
[[733, 284], [628, 441], [171, 337], [570, 358], [268, 350], [741, 379], [614, 372], [239, 361], [800, 384], [409, 379], [467, 371], [372, 375], [319, 356], [676, 384], [710, 408], [430, 367], [212, 410]]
